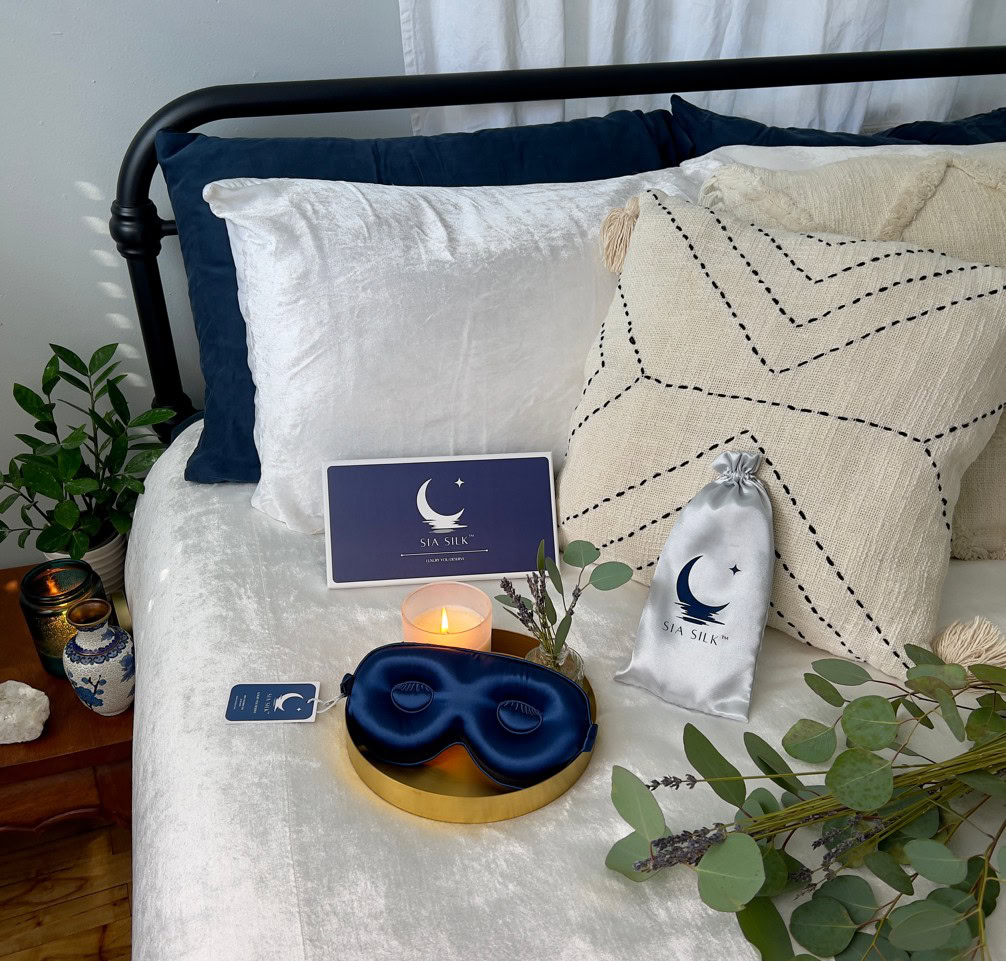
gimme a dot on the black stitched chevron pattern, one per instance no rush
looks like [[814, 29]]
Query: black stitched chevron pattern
[[868, 374]]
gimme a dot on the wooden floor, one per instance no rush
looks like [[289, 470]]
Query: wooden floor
[[65, 895]]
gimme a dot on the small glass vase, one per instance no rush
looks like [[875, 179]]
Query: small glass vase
[[568, 663]]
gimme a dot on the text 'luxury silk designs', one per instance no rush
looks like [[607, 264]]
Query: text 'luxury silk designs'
[[702, 626]]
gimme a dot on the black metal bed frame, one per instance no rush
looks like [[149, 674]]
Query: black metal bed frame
[[137, 228]]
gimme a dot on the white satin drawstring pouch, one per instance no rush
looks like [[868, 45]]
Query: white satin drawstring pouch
[[702, 627]]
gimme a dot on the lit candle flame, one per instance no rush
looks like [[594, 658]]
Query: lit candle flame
[[443, 620]]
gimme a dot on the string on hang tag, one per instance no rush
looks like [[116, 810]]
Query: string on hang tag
[[325, 705]]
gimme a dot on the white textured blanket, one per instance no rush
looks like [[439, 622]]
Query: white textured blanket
[[256, 842]]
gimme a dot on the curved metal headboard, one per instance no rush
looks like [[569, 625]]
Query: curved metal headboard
[[137, 228]]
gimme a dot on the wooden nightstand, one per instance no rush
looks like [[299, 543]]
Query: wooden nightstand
[[81, 765]]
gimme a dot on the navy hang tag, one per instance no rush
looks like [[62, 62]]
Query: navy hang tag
[[292, 702]]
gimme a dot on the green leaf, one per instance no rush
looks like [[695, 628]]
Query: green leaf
[[838, 671], [5, 504], [988, 672], [117, 454], [770, 762], [577, 553], [120, 521], [42, 480], [79, 542], [870, 722], [107, 372], [711, 764], [984, 781], [540, 563], [32, 442], [75, 438], [625, 853], [810, 741], [953, 675], [983, 725], [883, 866], [69, 358], [948, 708], [730, 873], [765, 799], [66, 514], [822, 925], [763, 926], [22, 538], [553, 573], [929, 927], [158, 415], [936, 861], [863, 947], [80, 485], [636, 804], [105, 426], [50, 375], [609, 575], [68, 461], [824, 689], [922, 655], [53, 539], [550, 609], [960, 902], [776, 873], [75, 381], [118, 402], [917, 712], [853, 893], [142, 462], [101, 357], [31, 403], [562, 631], [861, 780], [925, 825]]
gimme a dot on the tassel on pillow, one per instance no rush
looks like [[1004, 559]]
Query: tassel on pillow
[[616, 231], [976, 642]]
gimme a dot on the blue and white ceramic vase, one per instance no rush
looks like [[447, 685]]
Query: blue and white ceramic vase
[[98, 660]]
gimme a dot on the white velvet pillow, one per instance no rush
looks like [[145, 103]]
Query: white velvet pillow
[[403, 321]]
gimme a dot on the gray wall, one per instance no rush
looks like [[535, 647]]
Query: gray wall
[[77, 77]]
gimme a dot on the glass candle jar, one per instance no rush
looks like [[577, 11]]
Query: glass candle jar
[[48, 591], [450, 613]]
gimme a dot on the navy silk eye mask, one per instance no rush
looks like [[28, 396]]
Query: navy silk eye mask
[[520, 722]]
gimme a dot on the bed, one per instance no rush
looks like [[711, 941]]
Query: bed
[[257, 842]]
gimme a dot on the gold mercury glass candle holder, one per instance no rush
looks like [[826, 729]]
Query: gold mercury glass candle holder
[[48, 591]]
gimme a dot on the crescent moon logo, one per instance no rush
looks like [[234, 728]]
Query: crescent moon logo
[[440, 523], [282, 699], [695, 610]]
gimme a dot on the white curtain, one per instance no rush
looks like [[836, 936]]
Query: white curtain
[[454, 35]]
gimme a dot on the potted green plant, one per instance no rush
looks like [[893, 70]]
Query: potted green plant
[[75, 486]]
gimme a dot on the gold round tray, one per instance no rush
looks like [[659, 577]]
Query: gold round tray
[[452, 788]]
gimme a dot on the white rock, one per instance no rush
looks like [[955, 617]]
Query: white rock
[[23, 712]]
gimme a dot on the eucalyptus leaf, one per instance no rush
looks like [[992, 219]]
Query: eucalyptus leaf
[[853, 893], [861, 780], [625, 853], [983, 725], [505, 600], [553, 575], [917, 712], [609, 575], [936, 861], [989, 672], [776, 873], [763, 927], [810, 741], [562, 631], [730, 873], [838, 671], [922, 655], [578, 553], [883, 866], [636, 804], [865, 947], [952, 716], [925, 825], [770, 762], [930, 927], [766, 799], [550, 610], [540, 558], [870, 722], [984, 781], [822, 925], [824, 689], [953, 675], [711, 764]]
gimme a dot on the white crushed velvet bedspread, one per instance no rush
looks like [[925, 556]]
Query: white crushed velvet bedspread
[[259, 842]]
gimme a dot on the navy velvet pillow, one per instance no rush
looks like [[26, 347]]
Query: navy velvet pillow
[[981, 128], [595, 148]]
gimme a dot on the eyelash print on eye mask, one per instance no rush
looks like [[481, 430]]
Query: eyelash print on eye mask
[[519, 722]]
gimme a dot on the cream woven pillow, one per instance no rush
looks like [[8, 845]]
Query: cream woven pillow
[[952, 202], [868, 374]]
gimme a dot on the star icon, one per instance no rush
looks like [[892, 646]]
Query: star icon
[[459, 482], [734, 570]]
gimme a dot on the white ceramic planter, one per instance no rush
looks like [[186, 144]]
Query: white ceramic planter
[[108, 561]]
